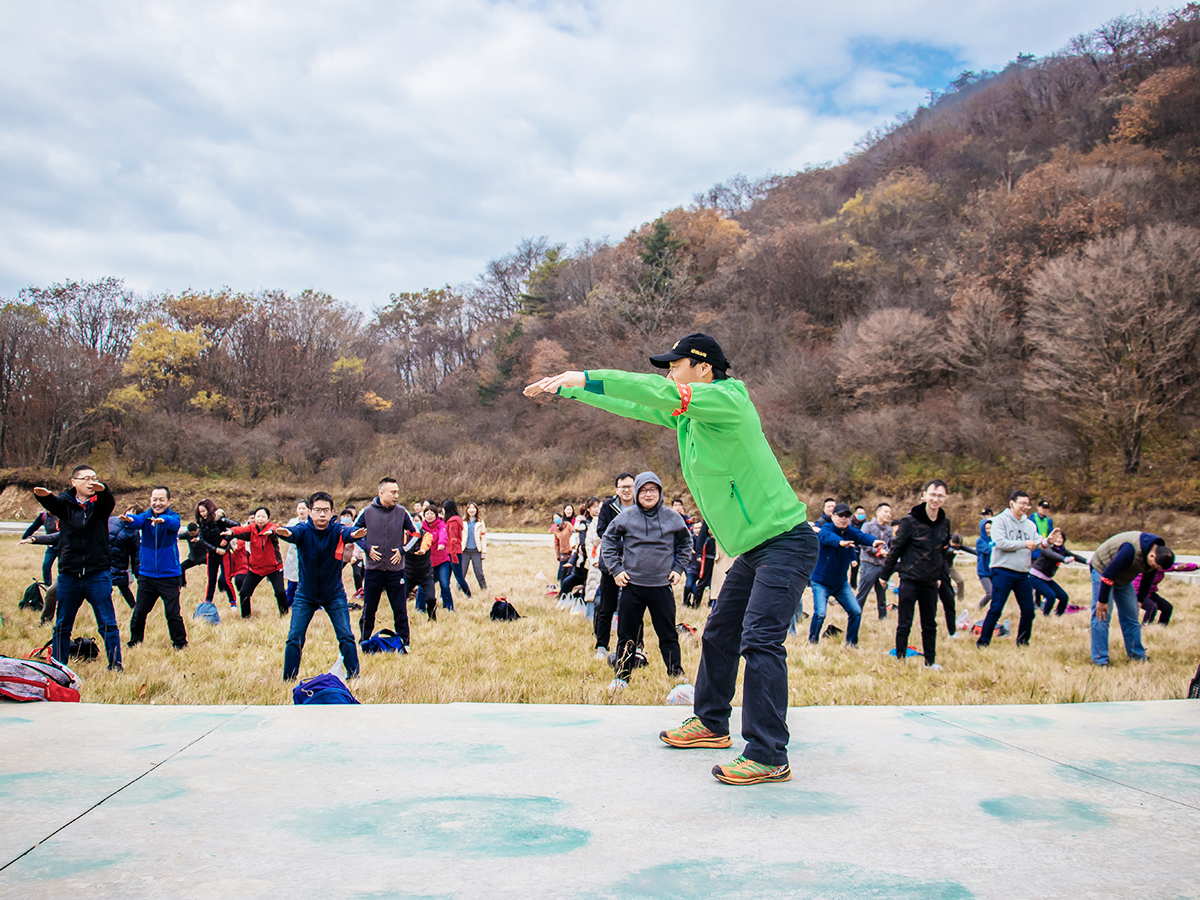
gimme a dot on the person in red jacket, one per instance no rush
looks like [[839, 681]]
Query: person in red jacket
[[439, 558], [239, 564], [265, 561], [454, 536]]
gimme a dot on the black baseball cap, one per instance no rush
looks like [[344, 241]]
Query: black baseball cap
[[842, 509], [698, 347]]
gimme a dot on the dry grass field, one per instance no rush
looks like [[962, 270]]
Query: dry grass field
[[546, 656]]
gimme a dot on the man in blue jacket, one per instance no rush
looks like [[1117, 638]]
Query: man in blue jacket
[[159, 574], [1114, 566], [838, 540], [320, 549], [83, 560]]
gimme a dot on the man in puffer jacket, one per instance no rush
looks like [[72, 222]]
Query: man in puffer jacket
[[1114, 566], [159, 574], [919, 553], [647, 548]]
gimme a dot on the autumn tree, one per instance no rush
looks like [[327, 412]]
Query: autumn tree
[[1116, 329], [893, 355]]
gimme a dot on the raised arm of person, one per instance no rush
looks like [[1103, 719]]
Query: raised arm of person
[[34, 525], [575, 385], [50, 501], [51, 539]]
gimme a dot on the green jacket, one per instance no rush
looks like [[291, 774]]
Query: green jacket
[[734, 477]]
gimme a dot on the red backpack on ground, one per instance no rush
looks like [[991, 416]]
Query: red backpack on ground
[[36, 679]]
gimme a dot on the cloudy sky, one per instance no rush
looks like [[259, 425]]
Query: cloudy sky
[[364, 148]]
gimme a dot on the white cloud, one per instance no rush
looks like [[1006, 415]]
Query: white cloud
[[369, 147]]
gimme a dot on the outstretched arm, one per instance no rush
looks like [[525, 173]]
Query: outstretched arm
[[577, 386]]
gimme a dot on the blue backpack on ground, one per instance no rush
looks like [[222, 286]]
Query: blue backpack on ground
[[384, 641], [326, 688], [207, 612]]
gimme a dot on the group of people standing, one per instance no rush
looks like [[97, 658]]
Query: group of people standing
[[95, 551]]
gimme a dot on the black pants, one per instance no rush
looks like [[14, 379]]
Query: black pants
[[356, 572], [946, 595], [252, 581], [631, 608], [925, 596], [577, 578], [419, 576], [605, 608], [218, 576], [375, 582], [122, 585], [1153, 605], [148, 593], [870, 582]]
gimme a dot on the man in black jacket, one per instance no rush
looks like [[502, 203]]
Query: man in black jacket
[[609, 592], [919, 553], [83, 560]]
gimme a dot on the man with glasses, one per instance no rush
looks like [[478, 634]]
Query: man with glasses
[[83, 560], [609, 592], [320, 549]]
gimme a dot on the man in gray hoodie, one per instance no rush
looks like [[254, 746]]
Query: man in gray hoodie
[[389, 527], [647, 549], [1014, 538]]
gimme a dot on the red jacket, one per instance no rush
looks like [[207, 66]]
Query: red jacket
[[264, 548], [239, 558], [454, 533]]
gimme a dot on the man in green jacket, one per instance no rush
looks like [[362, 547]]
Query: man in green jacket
[[752, 511]]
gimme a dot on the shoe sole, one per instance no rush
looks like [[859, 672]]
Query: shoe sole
[[784, 774], [719, 742]]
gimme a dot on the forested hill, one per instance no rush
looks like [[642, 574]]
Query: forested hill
[[1003, 287]]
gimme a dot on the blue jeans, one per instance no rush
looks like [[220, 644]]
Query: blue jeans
[[750, 619], [1005, 582], [302, 612], [456, 569], [1125, 600], [845, 598], [1050, 592], [442, 573], [96, 588], [48, 563]]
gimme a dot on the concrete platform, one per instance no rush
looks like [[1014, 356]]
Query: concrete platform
[[461, 800]]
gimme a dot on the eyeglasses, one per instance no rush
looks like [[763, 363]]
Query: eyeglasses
[[326, 510]]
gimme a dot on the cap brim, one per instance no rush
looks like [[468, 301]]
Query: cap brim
[[664, 360]]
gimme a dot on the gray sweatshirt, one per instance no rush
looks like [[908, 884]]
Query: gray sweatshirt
[[1009, 536], [647, 544]]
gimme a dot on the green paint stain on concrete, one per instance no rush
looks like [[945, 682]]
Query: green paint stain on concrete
[[1166, 778], [57, 787], [728, 880], [154, 788], [1183, 735], [15, 720], [58, 859], [476, 827], [1077, 815], [395, 895]]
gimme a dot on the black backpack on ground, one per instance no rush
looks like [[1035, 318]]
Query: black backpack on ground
[[503, 611], [32, 599], [83, 648], [1194, 687]]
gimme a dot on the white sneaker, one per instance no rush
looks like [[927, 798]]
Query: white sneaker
[[601, 653], [956, 636], [617, 684], [934, 668]]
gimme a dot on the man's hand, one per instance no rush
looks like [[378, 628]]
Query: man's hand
[[358, 533], [220, 551], [551, 383], [375, 555], [226, 533], [1033, 545], [397, 556], [1101, 611], [128, 520], [282, 531], [674, 579], [25, 541], [880, 545], [41, 492], [157, 520], [845, 543], [622, 579]]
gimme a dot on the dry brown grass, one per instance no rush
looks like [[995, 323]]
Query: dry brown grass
[[546, 656]]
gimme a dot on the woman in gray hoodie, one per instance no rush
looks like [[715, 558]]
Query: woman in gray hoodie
[[647, 549]]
